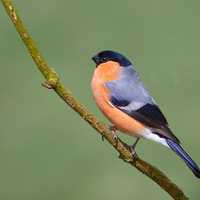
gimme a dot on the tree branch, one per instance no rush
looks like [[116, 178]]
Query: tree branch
[[53, 80]]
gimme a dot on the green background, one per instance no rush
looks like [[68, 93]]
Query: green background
[[46, 150]]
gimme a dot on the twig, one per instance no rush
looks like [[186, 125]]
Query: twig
[[53, 82]]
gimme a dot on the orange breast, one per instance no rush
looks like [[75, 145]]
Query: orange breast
[[107, 72]]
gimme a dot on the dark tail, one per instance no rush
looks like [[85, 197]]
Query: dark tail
[[186, 157]]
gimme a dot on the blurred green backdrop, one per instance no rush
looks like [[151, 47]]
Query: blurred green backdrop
[[46, 150]]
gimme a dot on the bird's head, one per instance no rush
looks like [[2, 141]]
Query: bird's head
[[105, 56]]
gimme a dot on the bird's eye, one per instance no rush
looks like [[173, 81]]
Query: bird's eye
[[104, 59]]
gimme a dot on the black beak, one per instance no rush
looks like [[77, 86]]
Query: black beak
[[96, 59]]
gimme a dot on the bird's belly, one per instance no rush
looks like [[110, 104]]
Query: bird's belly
[[120, 120]]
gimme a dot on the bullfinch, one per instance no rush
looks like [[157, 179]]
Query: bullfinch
[[123, 99]]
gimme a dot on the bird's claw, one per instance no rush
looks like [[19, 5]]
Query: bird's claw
[[133, 153], [115, 137], [114, 134], [132, 150]]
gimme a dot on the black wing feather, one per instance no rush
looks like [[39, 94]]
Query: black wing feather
[[154, 113], [151, 116]]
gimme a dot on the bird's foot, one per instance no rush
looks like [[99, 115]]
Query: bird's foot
[[113, 130], [133, 152], [132, 149], [133, 156], [114, 134]]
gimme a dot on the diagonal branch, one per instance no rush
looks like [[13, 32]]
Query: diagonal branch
[[53, 80]]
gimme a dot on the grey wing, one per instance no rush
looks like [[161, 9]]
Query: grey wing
[[128, 91], [130, 96]]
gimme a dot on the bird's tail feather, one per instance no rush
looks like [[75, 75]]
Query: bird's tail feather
[[185, 156]]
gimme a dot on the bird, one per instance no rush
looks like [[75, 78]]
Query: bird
[[122, 97]]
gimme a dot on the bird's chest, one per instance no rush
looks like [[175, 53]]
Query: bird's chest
[[100, 92], [104, 73]]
